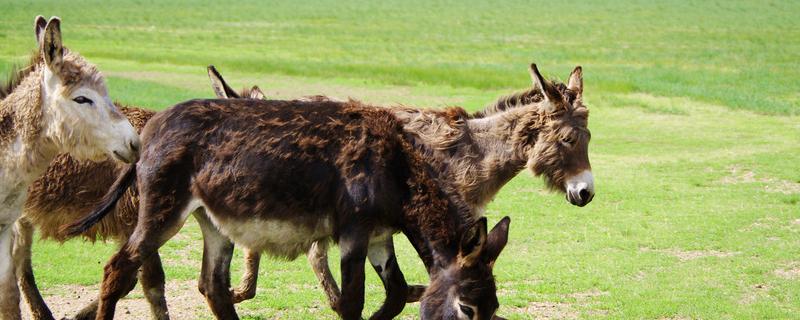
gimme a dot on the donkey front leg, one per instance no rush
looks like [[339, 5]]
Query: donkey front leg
[[9, 292], [353, 245], [22, 261], [381, 256]]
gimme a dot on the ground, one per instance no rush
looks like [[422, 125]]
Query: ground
[[695, 120]]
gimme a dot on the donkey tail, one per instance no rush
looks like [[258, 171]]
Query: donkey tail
[[107, 204]]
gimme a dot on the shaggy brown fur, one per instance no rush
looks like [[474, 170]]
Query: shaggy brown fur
[[293, 162], [480, 154]]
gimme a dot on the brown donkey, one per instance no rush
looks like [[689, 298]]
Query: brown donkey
[[57, 104], [277, 176], [544, 128], [68, 189]]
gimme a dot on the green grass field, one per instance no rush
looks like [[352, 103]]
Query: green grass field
[[695, 118]]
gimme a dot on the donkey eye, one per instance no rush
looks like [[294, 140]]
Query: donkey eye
[[466, 310], [567, 141], [82, 100]]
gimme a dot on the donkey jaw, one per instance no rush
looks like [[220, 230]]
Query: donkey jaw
[[580, 188]]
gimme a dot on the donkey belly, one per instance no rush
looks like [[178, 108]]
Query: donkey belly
[[282, 238]]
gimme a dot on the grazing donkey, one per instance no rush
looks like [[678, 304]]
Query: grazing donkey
[[68, 189], [277, 176], [58, 103], [543, 128]]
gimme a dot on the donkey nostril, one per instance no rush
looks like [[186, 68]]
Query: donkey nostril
[[584, 194]]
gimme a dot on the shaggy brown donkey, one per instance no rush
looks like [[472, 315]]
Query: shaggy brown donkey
[[58, 103], [277, 176], [544, 127], [68, 189]]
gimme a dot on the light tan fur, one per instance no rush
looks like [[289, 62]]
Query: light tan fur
[[40, 118]]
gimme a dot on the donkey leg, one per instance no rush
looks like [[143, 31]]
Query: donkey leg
[[247, 288], [152, 278], [89, 311], [24, 270], [381, 256], [353, 245], [318, 257], [215, 281], [158, 222], [9, 292]]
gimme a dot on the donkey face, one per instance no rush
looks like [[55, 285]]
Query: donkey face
[[561, 151], [78, 114], [464, 287]]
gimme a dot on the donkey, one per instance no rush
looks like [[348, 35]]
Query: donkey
[[276, 176], [58, 103], [68, 189], [543, 128]]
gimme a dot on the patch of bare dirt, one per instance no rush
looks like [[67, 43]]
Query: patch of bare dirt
[[547, 310], [738, 175], [790, 272], [183, 300], [755, 293], [684, 255], [563, 310]]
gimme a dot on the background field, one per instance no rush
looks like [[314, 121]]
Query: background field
[[695, 119]]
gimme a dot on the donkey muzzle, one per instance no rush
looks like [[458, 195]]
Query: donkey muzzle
[[580, 188]]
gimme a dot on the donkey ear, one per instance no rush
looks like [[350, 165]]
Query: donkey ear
[[472, 243], [51, 45], [549, 93], [221, 88], [497, 240], [256, 93], [39, 23], [576, 80]]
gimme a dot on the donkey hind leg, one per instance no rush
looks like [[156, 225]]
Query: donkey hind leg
[[249, 282], [89, 311], [381, 256], [152, 278], [9, 292], [159, 223], [215, 280], [353, 244], [22, 262], [318, 257]]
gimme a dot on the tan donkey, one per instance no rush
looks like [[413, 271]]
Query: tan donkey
[[57, 104], [68, 189]]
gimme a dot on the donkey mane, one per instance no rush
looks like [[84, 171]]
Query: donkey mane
[[18, 73], [522, 98]]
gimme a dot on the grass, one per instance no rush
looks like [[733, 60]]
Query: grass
[[695, 114]]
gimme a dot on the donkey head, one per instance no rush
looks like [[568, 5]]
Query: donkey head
[[463, 287], [224, 91], [561, 149], [79, 117]]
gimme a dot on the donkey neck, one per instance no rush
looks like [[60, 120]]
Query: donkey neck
[[26, 151], [493, 156]]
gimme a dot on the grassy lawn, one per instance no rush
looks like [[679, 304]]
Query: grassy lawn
[[695, 118]]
